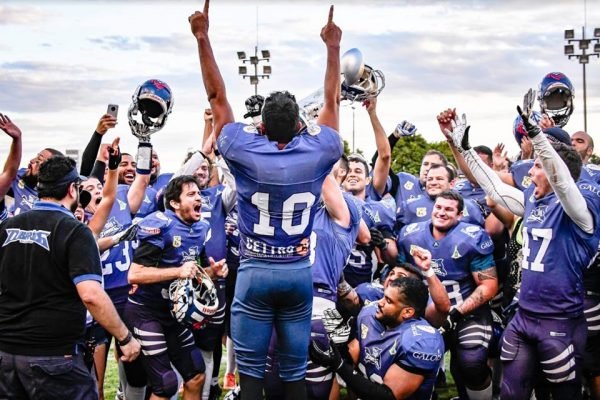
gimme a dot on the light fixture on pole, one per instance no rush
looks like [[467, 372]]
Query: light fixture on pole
[[583, 57], [255, 60]]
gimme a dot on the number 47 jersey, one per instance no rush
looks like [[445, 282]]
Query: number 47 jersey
[[555, 253], [277, 190]]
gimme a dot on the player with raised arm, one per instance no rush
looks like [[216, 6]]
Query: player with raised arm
[[548, 331], [276, 208]]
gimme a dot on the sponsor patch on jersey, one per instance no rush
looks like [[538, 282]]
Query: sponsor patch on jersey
[[486, 244], [176, 241], [149, 230], [27, 237], [526, 182], [538, 214], [21, 184], [191, 255], [421, 211], [122, 205], [419, 355], [409, 185], [413, 198], [364, 330], [465, 212]]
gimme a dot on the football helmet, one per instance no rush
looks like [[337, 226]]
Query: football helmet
[[193, 299], [361, 82], [519, 130], [556, 97], [153, 100]]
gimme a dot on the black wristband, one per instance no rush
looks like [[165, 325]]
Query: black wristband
[[127, 339]]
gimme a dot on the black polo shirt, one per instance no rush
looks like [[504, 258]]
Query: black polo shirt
[[44, 253]]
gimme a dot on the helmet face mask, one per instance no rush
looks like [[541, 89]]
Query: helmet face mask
[[193, 300], [153, 100], [361, 82], [556, 97]]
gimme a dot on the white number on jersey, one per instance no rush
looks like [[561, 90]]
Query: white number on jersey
[[537, 233], [261, 201]]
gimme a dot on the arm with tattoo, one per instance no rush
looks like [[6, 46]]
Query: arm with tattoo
[[487, 287]]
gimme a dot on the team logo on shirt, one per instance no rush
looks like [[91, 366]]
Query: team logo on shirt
[[421, 211], [538, 214], [111, 227], [122, 205], [206, 203], [409, 185], [176, 241], [456, 254], [373, 356], [465, 212], [411, 228], [21, 184], [438, 267], [393, 350], [27, 237], [191, 255], [364, 330], [526, 181]]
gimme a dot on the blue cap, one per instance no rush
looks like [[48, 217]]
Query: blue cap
[[557, 134]]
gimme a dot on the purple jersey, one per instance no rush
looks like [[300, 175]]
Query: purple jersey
[[590, 172], [277, 190], [180, 242], [117, 259], [23, 195], [213, 212], [161, 181], [465, 249], [468, 191], [520, 173], [363, 261], [413, 345], [419, 209], [369, 292], [148, 204], [332, 245], [555, 253]]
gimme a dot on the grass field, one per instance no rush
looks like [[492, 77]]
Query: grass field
[[112, 380]]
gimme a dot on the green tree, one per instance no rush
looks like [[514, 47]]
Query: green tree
[[409, 151]]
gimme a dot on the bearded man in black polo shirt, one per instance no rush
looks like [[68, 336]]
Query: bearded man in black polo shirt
[[49, 273]]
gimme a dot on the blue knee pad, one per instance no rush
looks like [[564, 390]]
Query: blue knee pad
[[168, 385]]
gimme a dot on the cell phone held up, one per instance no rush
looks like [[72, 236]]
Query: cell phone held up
[[113, 110]]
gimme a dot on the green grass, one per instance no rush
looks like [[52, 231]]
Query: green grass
[[111, 380]]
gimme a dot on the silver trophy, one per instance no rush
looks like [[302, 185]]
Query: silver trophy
[[152, 103], [361, 82]]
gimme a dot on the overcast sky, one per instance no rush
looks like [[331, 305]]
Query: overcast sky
[[61, 63]]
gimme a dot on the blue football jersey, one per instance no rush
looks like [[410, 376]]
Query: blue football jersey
[[413, 345], [555, 253], [465, 249], [277, 190], [369, 292], [590, 172], [24, 196], [180, 242], [161, 181], [214, 213], [419, 209], [468, 191], [520, 173], [148, 204], [362, 262], [117, 259], [332, 245]]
